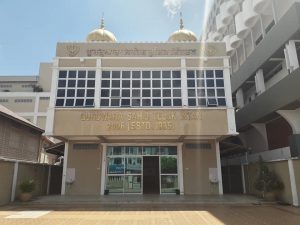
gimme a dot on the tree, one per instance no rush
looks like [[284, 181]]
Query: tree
[[267, 181]]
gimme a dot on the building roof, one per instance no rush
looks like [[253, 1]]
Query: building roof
[[13, 116], [56, 149]]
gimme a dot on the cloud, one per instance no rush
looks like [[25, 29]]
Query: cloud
[[173, 6]]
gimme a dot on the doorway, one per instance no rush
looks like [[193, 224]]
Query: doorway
[[151, 175]]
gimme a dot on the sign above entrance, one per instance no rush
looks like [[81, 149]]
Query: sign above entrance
[[141, 122]]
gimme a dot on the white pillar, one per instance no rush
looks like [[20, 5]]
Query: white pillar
[[227, 83], [98, 84], [291, 56], [180, 168], [64, 174], [103, 168], [293, 183], [14, 183], [240, 98], [219, 168], [260, 82], [184, 92]]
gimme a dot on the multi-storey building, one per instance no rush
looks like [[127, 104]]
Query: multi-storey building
[[141, 117], [262, 41], [28, 96]]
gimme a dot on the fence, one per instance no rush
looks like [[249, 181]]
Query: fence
[[47, 178]]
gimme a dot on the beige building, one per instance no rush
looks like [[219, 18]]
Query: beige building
[[141, 117], [28, 96]]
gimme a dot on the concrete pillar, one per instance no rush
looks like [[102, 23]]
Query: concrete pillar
[[293, 183], [261, 129], [14, 183], [291, 56], [260, 82], [184, 92], [103, 168], [240, 98], [180, 168], [219, 168], [98, 84], [65, 166]]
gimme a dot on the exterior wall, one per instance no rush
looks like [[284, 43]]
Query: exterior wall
[[196, 164], [18, 141], [87, 164], [6, 174], [45, 74], [41, 122], [17, 83], [280, 168], [43, 105], [141, 63], [16, 106]]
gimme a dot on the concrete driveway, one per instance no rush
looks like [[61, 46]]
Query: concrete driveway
[[154, 215]]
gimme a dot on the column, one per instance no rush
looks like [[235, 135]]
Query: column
[[293, 183], [291, 56], [227, 83], [219, 168], [64, 174], [98, 83], [228, 96], [103, 168], [180, 168], [184, 92], [240, 98], [243, 178], [50, 112], [260, 82], [14, 183]]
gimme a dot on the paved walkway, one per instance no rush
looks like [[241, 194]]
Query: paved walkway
[[152, 215]]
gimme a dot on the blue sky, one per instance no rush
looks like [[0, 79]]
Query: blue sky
[[30, 29]]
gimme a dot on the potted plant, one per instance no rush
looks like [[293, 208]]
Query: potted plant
[[26, 188], [268, 182]]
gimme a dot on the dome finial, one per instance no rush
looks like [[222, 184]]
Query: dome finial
[[102, 22], [181, 21]]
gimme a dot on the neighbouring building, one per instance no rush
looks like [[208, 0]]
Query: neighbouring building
[[20, 139], [141, 117], [28, 96], [262, 40]]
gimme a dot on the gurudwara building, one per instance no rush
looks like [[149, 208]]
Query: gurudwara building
[[140, 117]]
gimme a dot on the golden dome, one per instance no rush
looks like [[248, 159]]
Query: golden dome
[[101, 34], [182, 34]]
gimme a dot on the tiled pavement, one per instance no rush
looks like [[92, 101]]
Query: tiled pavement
[[154, 215]]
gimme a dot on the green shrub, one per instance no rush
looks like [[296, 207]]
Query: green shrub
[[267, 181], [27, 186]]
